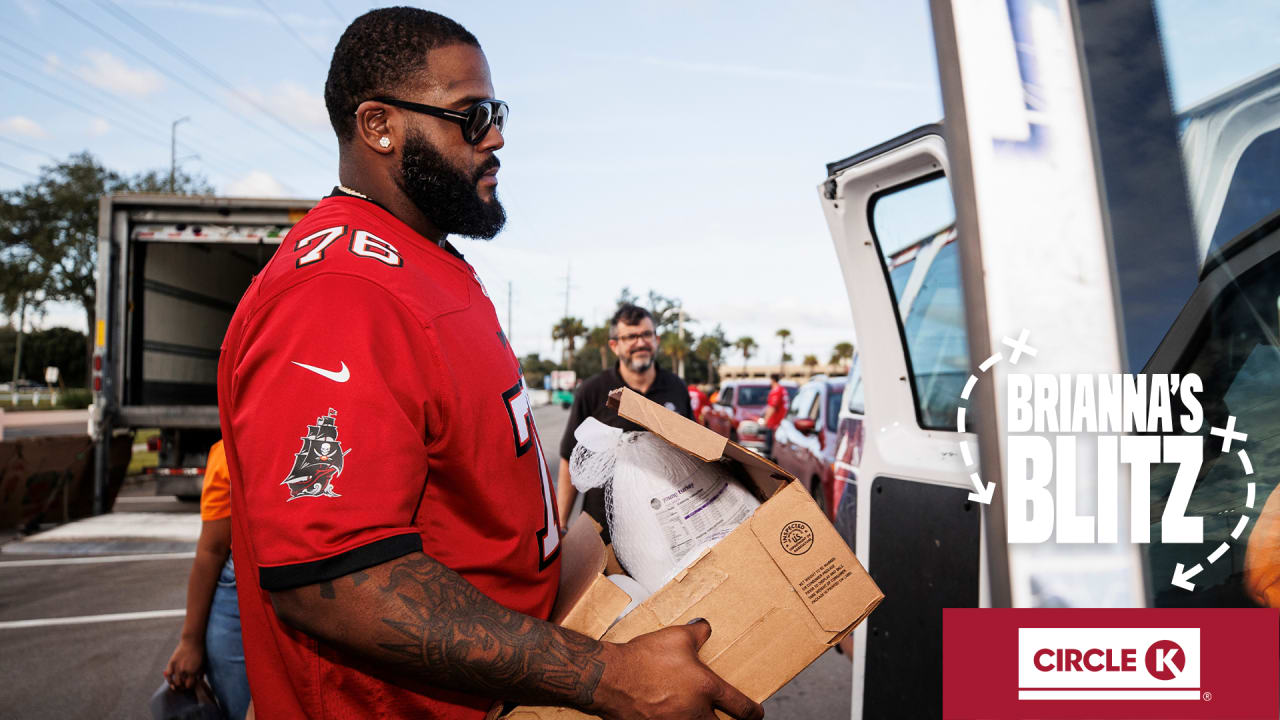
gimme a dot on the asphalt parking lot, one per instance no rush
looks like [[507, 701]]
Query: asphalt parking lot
[[90, 612]]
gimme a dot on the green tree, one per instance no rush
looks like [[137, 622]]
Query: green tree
[[568, 330], [785, 335], [598, 340], [810, 363], [745, 345], [676, 345], [49, 230], [709, 349], [536, 368], [58, 347], [841, 354]]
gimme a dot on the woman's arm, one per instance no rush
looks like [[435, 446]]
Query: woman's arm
[[187, 661]]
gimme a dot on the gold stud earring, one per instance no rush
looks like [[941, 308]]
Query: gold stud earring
[[384, 141]]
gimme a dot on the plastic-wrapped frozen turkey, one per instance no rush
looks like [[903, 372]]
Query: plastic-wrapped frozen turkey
[[663, 506]]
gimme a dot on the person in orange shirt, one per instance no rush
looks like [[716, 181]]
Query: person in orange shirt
[[210, 642]]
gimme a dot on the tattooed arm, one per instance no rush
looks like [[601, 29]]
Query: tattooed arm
[[416, 618]]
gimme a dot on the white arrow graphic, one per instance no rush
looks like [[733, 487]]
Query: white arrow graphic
[[982, 492], [1182, 576]]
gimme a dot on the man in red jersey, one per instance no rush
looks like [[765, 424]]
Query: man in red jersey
[[774, 410], [394, 527]]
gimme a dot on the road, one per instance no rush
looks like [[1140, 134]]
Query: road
[[33, 423], [86, 631]]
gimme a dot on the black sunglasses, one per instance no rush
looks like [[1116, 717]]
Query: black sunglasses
[[475, 121]]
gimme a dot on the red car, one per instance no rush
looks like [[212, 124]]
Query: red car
[[737, 410], [805, 444]]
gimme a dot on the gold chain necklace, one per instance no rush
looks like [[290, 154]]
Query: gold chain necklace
[[349, 191]]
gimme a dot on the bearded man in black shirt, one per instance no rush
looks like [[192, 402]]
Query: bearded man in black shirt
[[633, 339]]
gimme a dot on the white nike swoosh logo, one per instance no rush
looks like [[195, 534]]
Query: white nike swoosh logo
[[340, 375]]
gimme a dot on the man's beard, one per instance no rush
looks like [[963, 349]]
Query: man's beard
[[445, 194], [638, 365]]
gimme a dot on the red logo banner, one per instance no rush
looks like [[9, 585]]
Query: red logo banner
[[1111, 663]]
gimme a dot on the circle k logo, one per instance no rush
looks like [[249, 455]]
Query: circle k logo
[[1082, 663], [1165, 659]]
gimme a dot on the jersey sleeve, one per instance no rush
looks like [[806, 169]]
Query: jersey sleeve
[[215, 495], [331, 395]]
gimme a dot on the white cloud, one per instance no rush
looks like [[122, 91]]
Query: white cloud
[[288, 101], [30, 9], [99, 127], [111, 73], [20, 125], [300, 105], [257, 183]]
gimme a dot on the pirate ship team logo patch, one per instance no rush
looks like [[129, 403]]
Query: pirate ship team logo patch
[[319, 462]]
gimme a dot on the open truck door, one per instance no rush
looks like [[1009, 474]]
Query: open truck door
[[1098, 229]]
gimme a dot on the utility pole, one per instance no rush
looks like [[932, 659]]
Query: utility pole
[[679, 340], [173, 151], [17, 353], [568, 271]]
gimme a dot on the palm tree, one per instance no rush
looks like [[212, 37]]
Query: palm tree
[[568, 329], [841, 353], [708, 350], [675, 346], [811, 363], [785, 334], [745, 345], [599, 338]]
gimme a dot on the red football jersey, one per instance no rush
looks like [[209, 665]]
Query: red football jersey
[[371, 407]]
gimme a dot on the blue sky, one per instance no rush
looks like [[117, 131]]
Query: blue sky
[[667, 146]]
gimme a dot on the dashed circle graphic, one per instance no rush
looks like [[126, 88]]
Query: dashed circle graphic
[[983, 491]]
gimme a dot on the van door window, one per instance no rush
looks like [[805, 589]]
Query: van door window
[[914, 228], [857, 402], [834, 393], [726, 397], [1236, 353]]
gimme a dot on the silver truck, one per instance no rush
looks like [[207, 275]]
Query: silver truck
[[170, 271]]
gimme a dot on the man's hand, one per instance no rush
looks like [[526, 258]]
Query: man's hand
[[658, 676]]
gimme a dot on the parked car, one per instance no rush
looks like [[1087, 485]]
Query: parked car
[[736, 412], [805, 443]]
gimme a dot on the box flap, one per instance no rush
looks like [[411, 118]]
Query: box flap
[[815, 559], [699, 441], [672, 427], [586, 602]]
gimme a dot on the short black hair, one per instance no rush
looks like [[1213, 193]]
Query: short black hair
[[378, 53], [776, 377], [628, 314]]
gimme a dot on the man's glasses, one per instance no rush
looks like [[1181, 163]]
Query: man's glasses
[[475, 121], [631, 338]]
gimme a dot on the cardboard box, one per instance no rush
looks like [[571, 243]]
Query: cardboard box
[[778, 591]]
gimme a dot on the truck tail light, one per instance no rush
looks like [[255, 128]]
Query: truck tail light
[[153, 443], [97, 383]]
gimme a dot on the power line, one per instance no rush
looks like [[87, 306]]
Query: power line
[[289, 29], [72, 103], [143, 29], [18, 170], [25, 146], [135, 114], [334, 10], [231, 175], [243, 117], [61, 71]]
